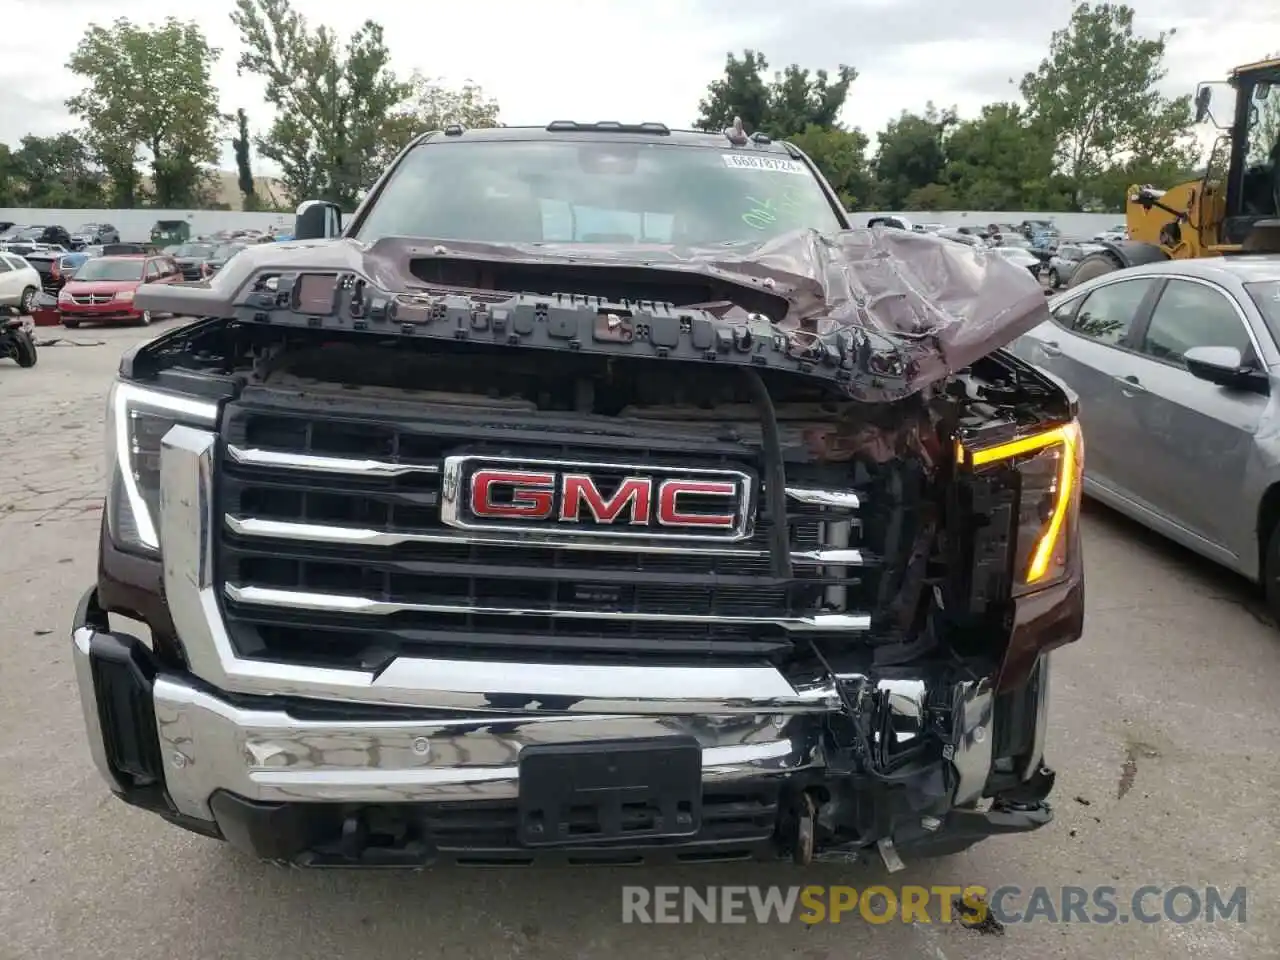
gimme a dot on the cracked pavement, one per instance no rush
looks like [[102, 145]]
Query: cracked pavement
[[1165, 729]]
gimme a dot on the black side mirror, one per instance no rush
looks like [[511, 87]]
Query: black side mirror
[[1204, 95], [317, 220], [1225, 367]]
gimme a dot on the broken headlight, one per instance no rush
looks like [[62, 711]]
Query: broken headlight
[[1050, 470], [137, 420]]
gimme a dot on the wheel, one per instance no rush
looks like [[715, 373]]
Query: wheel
[[145, 319], [28, 300], [1094, 265], [24, 348], [70, 323], [1054, 280]]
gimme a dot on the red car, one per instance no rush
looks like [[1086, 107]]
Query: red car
[[103, 288]]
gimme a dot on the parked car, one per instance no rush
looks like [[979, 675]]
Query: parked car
[[1177, 365], [38, 234], [959, 236], [88, 234], [103, 289], [19, 283], [193, 258], [52, 263], [1063, 263], [1021, 256], [896, 223], [1114, 235], [220, 256]]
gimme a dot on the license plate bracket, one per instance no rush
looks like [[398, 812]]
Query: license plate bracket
[[609, 791]]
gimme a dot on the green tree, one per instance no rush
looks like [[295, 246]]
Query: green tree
[[841, 156], [911, 155], [1002, 160], [150, 89], [242, 146], [786, 106], [1098, 90], [55, 172], [433, 106], [8, 178], [333, 99]]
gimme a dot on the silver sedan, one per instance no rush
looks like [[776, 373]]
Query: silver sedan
[[1177, 366]]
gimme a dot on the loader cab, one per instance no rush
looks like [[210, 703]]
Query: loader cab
[[1247, 109]]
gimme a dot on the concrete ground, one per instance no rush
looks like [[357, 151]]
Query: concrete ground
[[1165, 716]]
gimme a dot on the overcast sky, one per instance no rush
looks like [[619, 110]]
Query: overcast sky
[[637, 60]]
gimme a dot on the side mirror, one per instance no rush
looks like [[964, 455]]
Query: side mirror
[[317, 220], [1204, 95], [1225, 367]]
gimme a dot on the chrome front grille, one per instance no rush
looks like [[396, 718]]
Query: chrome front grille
[[332, 550], [93, 299]]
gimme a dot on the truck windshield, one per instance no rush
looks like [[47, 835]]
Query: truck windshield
[[597, 192]]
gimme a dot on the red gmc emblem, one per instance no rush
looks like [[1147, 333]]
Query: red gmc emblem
[[596, 499]]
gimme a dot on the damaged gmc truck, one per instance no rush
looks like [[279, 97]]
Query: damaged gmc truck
[[594, 495]]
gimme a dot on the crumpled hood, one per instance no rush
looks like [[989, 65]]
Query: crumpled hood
[[919, 306]]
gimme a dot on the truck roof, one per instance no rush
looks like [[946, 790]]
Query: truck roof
[[608, 130]]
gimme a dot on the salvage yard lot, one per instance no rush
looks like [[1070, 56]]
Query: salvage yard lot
[[1165, 715]]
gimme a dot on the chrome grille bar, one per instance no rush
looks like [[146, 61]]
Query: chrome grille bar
[[366, 537], [344, 603], [254, 457]]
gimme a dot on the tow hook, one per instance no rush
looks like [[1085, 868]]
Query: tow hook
[[802, 852]]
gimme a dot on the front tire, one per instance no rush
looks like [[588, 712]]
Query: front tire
[[1054, 280], [28, 301], [145, 319], [1094, 265], [24, 348]]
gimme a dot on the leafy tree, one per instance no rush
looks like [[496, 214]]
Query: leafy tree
[[433, 106], [1002, 160], [1098, 90], [912, 154], [240, 143], [150, 89], [784, 107], [54, 172], [8, 178], [333, 99], [841, 156]]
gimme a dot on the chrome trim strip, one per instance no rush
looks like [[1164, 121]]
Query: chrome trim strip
[[347, 603], [255, 457], [269, 755], [187, 521], [81, 639], [368, 537], [838, 499]]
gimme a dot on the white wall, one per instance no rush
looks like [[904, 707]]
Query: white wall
[[135, 225], [1072, 226]]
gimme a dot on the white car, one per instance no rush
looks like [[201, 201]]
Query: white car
[[19, 282], [1021, 257]]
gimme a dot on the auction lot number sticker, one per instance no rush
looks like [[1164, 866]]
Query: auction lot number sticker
[[745, 161]]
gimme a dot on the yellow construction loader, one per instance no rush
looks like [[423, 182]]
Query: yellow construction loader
[[1235, 207]]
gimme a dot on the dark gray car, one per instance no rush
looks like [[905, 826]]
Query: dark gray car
[[1178, 371]]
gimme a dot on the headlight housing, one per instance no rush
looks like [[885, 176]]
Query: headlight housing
[[137, 420], [125, 295], [1050, 473]]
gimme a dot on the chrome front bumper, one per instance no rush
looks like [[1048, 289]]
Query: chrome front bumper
[[237, 725]]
